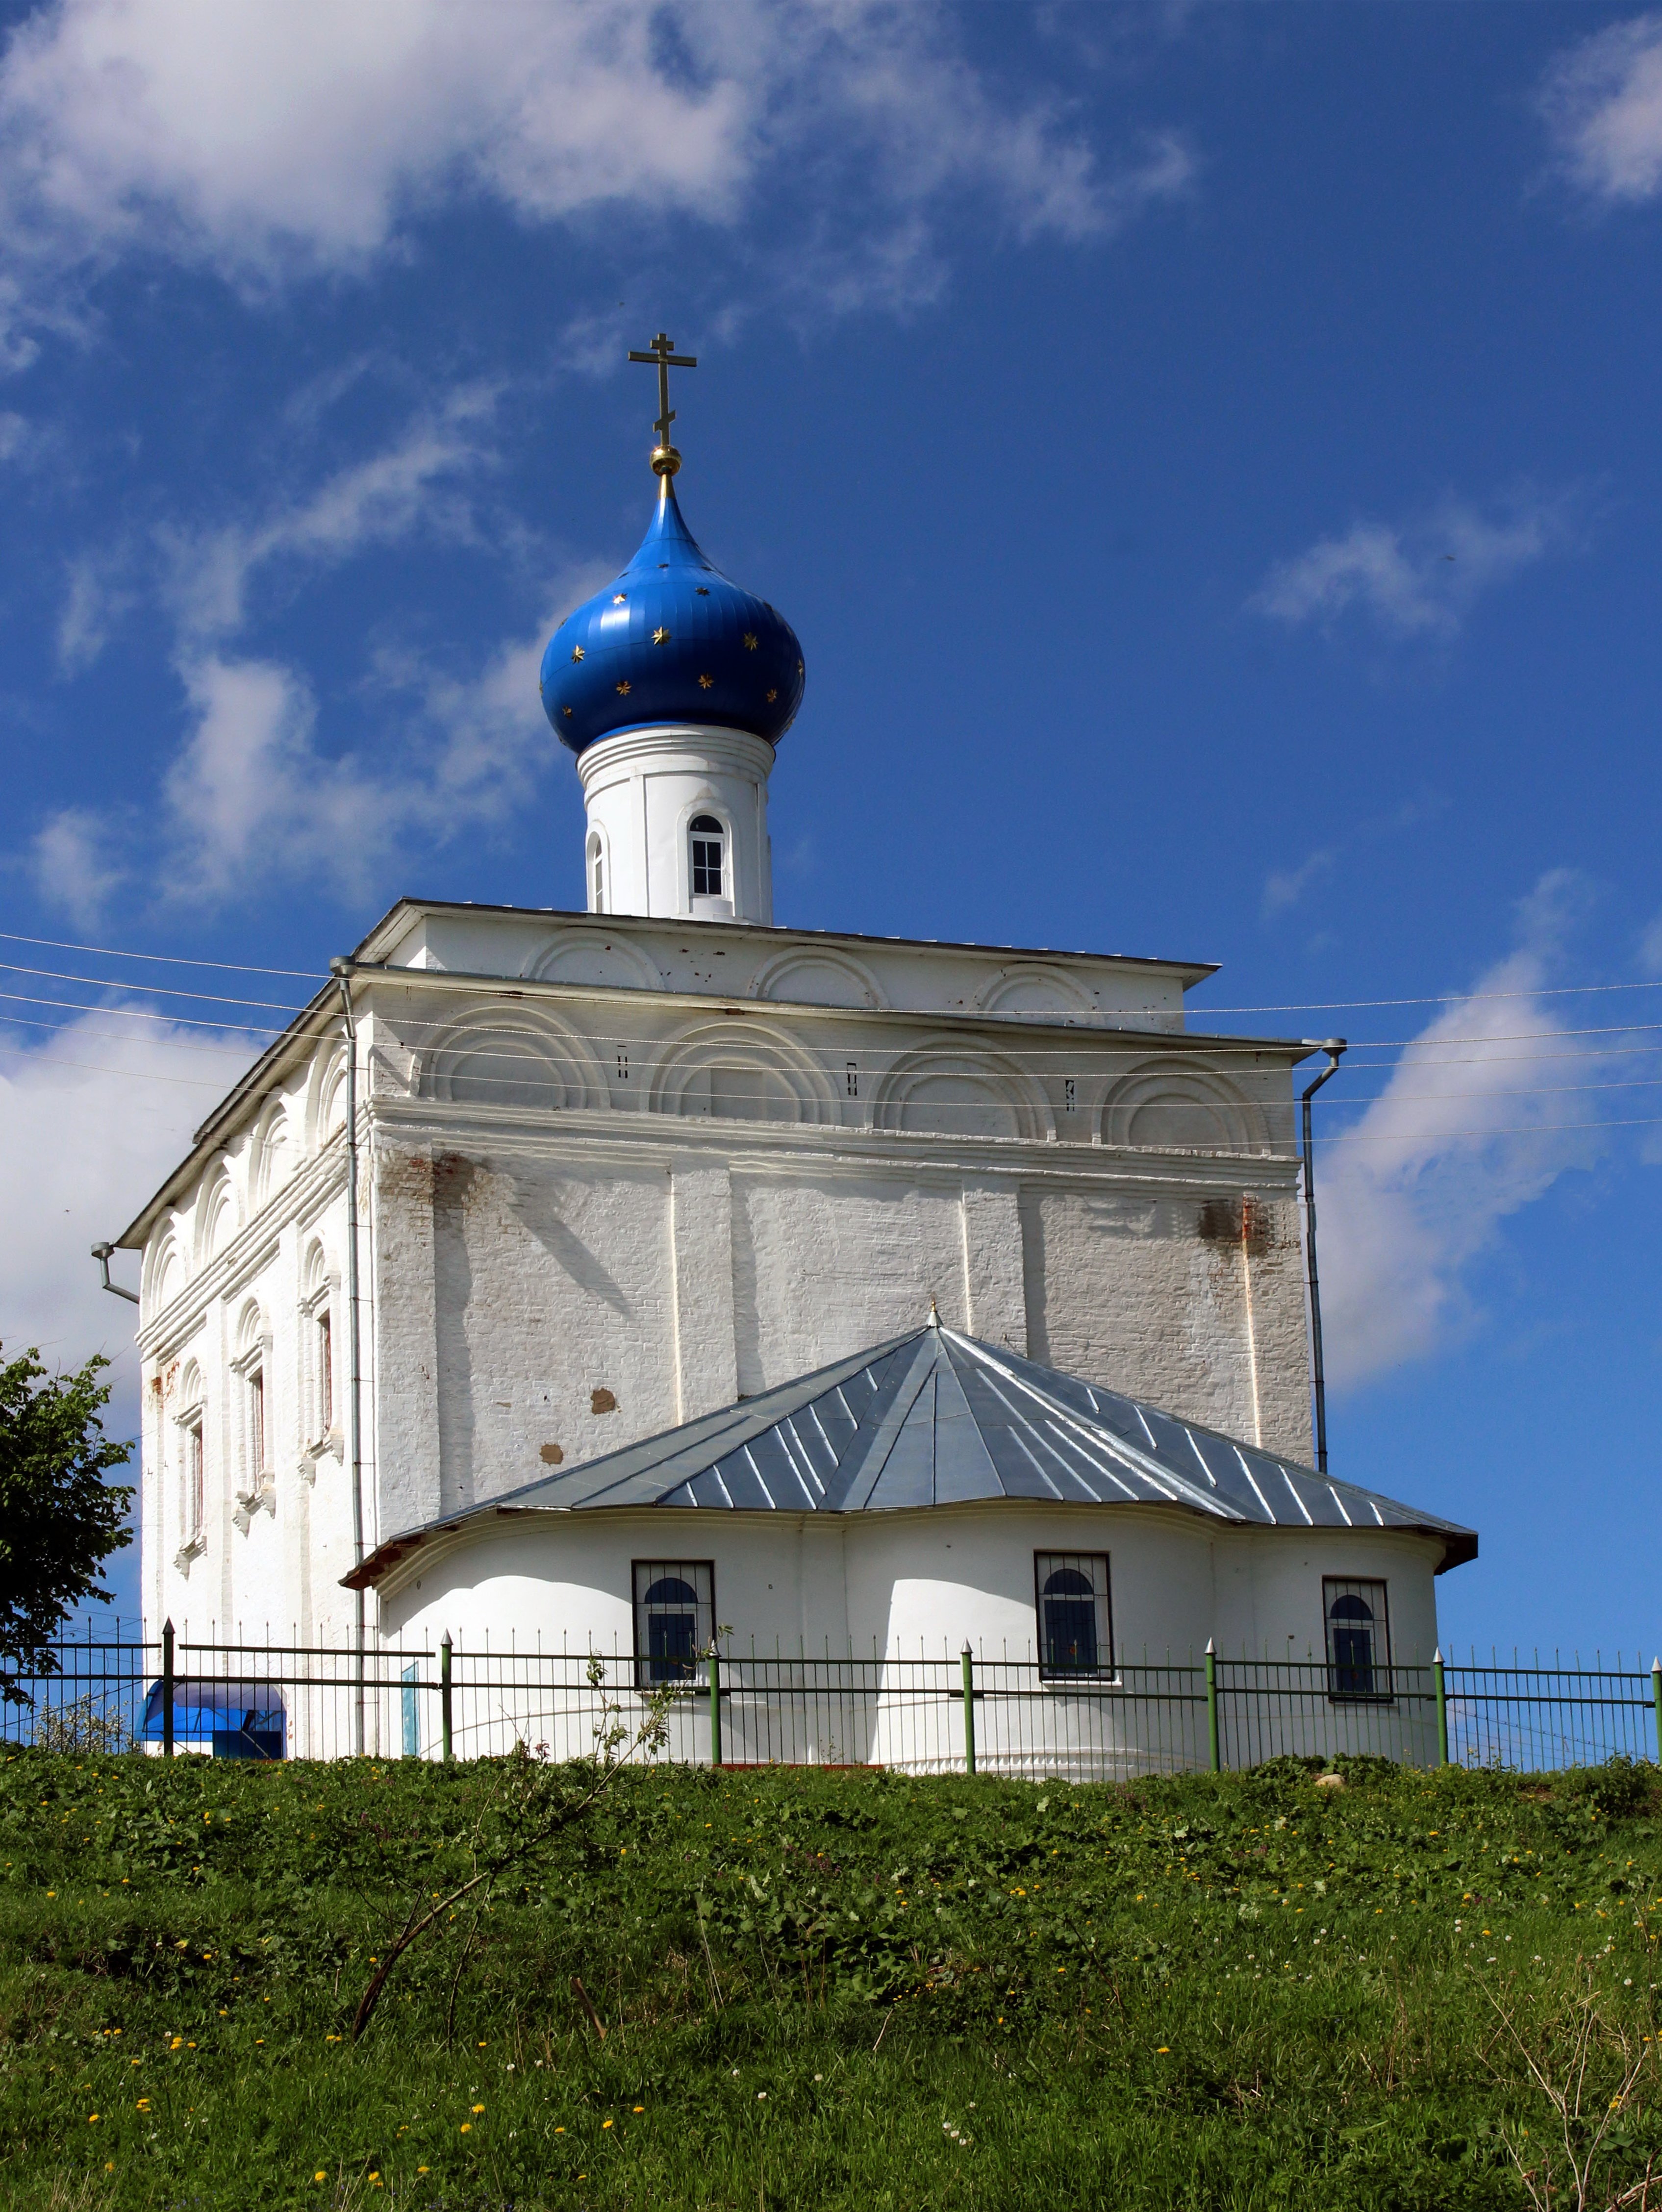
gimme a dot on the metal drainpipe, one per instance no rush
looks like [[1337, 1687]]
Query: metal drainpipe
[[341, 970], [1332, 1047]]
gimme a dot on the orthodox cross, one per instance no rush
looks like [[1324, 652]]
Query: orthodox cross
[[664, 354]]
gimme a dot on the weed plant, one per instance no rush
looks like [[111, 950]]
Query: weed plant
[[827, 1989]]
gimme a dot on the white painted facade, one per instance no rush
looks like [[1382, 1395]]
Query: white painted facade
[[617, 1172]]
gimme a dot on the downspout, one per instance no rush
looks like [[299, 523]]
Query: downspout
[[1333, 1047], [340, 970]]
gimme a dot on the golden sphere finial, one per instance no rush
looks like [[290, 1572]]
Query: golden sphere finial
[[665, 460]]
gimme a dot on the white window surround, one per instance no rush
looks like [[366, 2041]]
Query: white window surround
[[323, 1433], [257, 1491], [597, 870], [189, 1423]]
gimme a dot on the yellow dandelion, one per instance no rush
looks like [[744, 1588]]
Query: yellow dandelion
[[91, 2117], [321, 2175], [468, 2127], [478, 2108], [605, 2124], [637, 2108]]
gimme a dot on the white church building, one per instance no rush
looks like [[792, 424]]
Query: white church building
[[600, 1280]]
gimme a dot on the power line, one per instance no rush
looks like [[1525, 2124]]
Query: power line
[[1433, 999], [120, 1036], [137, 1014], [172, 959], [149, 990]]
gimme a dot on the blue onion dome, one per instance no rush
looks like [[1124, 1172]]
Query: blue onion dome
[[671, 641]]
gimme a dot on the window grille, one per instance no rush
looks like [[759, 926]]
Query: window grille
[[708, 841], [1075, 1621], [674, 1619], [1358, 1639]]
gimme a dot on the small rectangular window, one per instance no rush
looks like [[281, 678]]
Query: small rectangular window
[[674, 1619], [707, 867], [193, 1480], [1075, 1621], [1358, 1639]]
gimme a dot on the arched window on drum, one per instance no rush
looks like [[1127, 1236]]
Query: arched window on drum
[[1075, 1621], [674, 1619], [1358, 1639], [708, 857]]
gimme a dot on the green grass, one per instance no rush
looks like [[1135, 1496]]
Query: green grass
[[824, 1991]]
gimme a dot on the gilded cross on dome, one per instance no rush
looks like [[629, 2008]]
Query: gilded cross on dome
[[665, 458]]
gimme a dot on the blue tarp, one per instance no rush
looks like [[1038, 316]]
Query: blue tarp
[[231, 1720]]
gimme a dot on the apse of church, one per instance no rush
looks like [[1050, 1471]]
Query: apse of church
[[613, 1170]]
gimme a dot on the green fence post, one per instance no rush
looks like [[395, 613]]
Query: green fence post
[[714, 1704], [968, 1658], [1440, 1690], [167, 1689], [445, 1705], [1656, 1699], [1215, 1747]]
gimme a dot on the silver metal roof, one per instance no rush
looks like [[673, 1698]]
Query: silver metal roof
[[936, 1419]]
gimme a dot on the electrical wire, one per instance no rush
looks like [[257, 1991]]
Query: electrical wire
[[138, 1014], [149, 990], [120, 1036], [1432, 999], [171, 959]]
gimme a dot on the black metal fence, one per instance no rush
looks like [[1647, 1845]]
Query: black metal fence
[[974, 1714]]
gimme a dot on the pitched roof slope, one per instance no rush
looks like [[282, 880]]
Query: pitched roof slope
[[934, 1418]]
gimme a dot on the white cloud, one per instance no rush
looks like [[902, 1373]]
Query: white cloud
[[74, 866], [1603, 104], [1455, 1144], [1285, 887], [1421, 579], [389, 496], [91, 1119], [287, 135]]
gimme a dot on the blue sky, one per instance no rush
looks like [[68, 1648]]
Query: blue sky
[[1209, 451]]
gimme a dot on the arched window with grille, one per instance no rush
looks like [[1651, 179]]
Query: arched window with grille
[[708, 856], [1358, 1639], [674, 1619], [596, 872], [1076, 1624]]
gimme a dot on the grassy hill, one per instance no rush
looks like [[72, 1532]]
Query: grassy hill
[[828, 1990]]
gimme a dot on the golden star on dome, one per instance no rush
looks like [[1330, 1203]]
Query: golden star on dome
[[703, 590], [799, 668], [620, 599], [576, 652], [749, 640], [706, 683], [624, 688], [566, 711], [660, 637], [772, 695]]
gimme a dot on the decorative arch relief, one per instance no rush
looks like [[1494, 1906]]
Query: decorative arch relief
[[1033, 987], [1173, 1107], [946, 1090], [216, 1217], [816, 978], [272, 1163], [524, 1060], [740, 1072], [167, 1271], [584, 955]]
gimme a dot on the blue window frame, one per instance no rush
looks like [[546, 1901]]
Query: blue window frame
[[1358, 1639], [674, 1619], [1075, 1621]]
